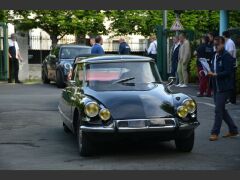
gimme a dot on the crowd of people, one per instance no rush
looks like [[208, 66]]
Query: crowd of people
[[217, 76]]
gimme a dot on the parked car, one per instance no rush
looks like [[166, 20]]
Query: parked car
[[58, 63], [123, 96]]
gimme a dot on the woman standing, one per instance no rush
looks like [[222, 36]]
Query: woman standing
[[205, 50]]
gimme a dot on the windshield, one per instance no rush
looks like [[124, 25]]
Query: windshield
[[121, 75], [72, 52]]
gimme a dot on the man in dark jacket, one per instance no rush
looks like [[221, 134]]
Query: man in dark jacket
[[222, 73], [123, 47], [174, 55]]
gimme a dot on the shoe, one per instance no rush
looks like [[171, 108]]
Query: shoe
[[208, 95], [200, 95], [230, 134], [183, 86], [178, 85], [213, 137], [20, 82]]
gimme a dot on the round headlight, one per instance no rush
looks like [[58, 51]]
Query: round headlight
[[105, 114], [67, 66], [91, 109], [190, 105], [182, 111]]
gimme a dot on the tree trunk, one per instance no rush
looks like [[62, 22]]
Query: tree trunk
[[54, 40], [80, 39]]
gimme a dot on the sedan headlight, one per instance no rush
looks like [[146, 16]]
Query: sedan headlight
[[91, 109], [105, 114], [182, 111], [190, 105]]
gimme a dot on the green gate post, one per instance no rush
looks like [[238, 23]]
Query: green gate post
[[162, 51], [5, 51]]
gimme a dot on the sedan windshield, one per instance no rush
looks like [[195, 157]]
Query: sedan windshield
[[72, 52], [121, 75]]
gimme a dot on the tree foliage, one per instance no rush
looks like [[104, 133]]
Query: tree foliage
[[58, 23]]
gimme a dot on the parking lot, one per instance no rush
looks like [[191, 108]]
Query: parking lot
[[32, 137]]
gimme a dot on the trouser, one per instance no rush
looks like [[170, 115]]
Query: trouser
[[153, 56], [233, 95], [13, 69], [221, 113], [182, 72], [203, 82], [174, 69]]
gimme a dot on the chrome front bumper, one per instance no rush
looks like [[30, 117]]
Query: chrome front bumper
[[141, 125]]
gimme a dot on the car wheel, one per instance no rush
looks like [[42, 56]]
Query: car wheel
[[85, 146], [59, 79], [45, 79], [185, 144], [66, 129]]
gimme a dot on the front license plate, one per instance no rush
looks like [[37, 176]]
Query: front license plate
[[136, 124]]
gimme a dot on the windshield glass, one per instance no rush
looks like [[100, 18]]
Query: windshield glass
[[121, 75], [72, 52]]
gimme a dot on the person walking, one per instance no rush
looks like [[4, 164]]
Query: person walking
[[221, 76], [204, 51], [14, 58], [184, 58], [231, 48], [174, 56], [124, 48], [97, 47], [152, 49]]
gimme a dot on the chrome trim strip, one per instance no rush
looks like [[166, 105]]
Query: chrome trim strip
[[97, 129], [63, 115]]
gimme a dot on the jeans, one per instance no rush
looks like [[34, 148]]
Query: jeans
[[220, 99]]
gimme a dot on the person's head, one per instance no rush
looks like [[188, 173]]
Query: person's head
[[152, 38], [205, 39], [175, 39], [99, 40], [13, 36], [210, 36], [219, 42], [182, 37], [121, 40], [226, 35], [92, 41]]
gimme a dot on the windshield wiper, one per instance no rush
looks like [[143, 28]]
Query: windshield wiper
[[123, 80]]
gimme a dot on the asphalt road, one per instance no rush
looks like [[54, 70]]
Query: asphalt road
[[32, 137]]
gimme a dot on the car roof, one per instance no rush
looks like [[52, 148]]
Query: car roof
[[114, 58], [73, 45]]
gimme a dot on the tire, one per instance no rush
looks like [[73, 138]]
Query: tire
[[85, 145], [66, 129], [185, 144], [45, 79], [59, 79]]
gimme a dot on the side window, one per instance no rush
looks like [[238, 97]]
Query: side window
[[78, 74]]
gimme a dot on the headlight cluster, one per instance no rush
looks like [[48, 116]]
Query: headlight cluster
[[92, 109], [188, 106]]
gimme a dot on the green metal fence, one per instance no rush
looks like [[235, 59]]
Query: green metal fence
[[3, 51]]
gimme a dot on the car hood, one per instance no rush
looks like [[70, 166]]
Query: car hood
[[152, 103]]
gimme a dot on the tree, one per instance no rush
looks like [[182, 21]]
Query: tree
[[58, 23], [4, 14]]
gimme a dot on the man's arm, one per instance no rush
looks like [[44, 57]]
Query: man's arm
[[150, 48], [18, 52]]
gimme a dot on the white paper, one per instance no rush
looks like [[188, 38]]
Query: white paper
[[205, 65]]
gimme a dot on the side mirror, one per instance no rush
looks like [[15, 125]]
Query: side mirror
[[171, 80]]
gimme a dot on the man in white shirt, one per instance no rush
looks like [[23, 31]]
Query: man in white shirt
[[231, 48], [152, 49], [14, 58]]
